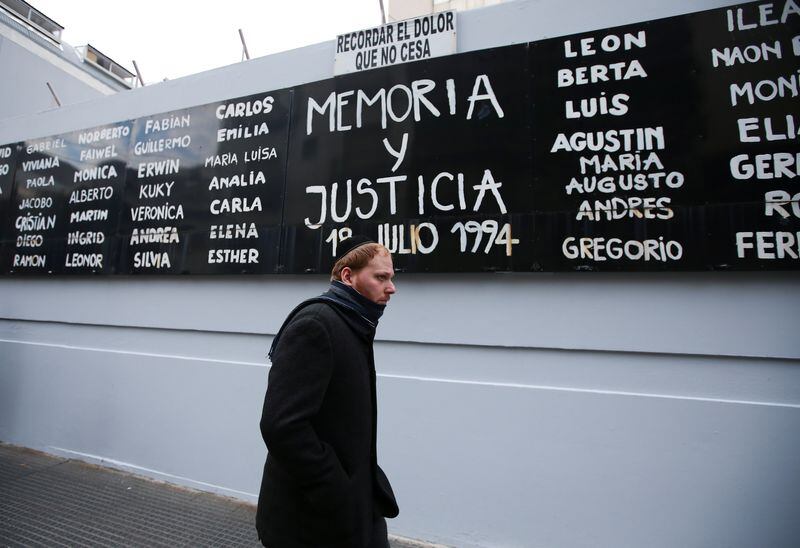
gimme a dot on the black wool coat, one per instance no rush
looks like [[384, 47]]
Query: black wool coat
[[321, 482]]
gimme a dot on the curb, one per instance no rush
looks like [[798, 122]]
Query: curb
[[404, 542]]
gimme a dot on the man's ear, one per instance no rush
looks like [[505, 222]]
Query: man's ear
[[346, 275]]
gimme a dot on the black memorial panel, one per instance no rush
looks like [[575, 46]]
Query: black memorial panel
[[99, 156], [67, 200], [662, 145], [749, 85], [430, 159], [8, 165], [41, 187], [614, 132], [205, 188]]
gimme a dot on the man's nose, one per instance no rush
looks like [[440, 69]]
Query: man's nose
[[391, 288]]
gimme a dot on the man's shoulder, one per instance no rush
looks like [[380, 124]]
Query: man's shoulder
[[317, 310]]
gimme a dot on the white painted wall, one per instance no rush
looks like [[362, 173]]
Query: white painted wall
[[553, 410], [28, 67]]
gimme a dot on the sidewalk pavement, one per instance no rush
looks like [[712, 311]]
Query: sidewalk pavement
[[53, 501]]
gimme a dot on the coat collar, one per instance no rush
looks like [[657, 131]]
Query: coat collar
[[356, 313]]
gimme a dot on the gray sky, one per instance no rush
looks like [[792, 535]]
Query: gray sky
[[173, 38]]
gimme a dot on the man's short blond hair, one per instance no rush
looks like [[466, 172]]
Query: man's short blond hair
[[357, 259]]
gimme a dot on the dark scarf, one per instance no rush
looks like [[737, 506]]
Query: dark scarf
[[343, 297]]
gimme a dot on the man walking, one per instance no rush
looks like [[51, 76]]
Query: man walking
[[322, 485]]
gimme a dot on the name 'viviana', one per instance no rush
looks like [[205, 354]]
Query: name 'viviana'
[[42, 163]]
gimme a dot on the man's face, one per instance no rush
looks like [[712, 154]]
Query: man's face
[[374, 281]]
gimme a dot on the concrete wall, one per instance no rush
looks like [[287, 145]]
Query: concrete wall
[[558, 410], [28, 67]]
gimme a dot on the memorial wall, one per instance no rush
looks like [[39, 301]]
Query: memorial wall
[[666, 145]]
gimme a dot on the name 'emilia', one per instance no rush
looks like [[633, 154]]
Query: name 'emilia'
[[242, 132]]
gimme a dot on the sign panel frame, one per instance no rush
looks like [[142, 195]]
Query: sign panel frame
[[409, 40]]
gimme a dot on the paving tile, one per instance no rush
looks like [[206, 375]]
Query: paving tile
[[49, 501]]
